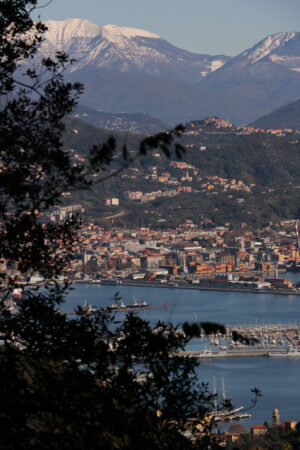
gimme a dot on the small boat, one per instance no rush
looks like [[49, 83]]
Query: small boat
[[88, 308], [144, 303], [290, 353], [114, 305], [135, 303], [293, 353]]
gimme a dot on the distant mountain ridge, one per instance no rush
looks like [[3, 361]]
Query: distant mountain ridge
[[288, 116], [126, 50], [131, 123], [130, 70]]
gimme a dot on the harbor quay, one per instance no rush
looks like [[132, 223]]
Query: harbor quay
[[182, 284], [281, 340]]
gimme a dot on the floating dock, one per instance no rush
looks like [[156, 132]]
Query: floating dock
[[109, 309]]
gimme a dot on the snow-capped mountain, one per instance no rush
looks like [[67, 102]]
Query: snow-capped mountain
[[270, 47], [127, 50], [258, 80], [134, 71], [282, 49]]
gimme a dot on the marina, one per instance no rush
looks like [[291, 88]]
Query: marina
[[280, 340], [276, 377]]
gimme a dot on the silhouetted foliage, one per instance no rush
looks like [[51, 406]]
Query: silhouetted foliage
[[84, 381]]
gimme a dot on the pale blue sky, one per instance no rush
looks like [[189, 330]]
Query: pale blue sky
[[201, 26]]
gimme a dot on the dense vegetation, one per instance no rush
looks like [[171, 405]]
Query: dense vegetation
[[81, 381]]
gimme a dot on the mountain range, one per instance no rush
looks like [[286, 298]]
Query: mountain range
[[134, 71], [288, 116]]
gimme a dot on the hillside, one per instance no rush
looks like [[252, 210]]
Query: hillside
[[225, 176], [288, 116], [122, 122]]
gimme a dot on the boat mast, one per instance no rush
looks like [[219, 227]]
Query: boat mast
[[223, 390], [215, 395]]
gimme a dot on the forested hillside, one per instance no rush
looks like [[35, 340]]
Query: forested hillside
[[224, 176]]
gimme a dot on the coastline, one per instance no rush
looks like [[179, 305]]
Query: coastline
[[179, 285]]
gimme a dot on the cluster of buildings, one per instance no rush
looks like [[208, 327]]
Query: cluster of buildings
[[63, 213], [212, 257], [196, 127], [149, 196], [213, 184], [197, 254], [288, 426]]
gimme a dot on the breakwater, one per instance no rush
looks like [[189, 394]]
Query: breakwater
[[238, 354], [181, 285], [111, 309]]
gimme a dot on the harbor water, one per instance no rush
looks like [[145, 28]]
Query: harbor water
[[277, 378]]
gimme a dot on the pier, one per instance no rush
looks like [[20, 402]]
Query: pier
[[110, 309], [183, 285], [282, 340], [236, 354]]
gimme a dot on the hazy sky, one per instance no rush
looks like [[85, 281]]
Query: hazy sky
[[201, 26]]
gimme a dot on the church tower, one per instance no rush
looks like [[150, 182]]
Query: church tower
[[275, 418]]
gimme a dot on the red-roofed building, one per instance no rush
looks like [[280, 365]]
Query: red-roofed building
[[290, 425], [257, 430]]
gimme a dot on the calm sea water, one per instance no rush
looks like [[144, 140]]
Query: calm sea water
[[277, 378]]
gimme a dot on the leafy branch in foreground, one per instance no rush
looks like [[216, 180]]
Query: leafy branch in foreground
[[35, 169], [192, 330], [83, 381], [85, 377]]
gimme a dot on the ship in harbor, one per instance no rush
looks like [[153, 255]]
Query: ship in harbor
[[136, 304], [208, 353], [225, 414], [118, 305], [290, 353]]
